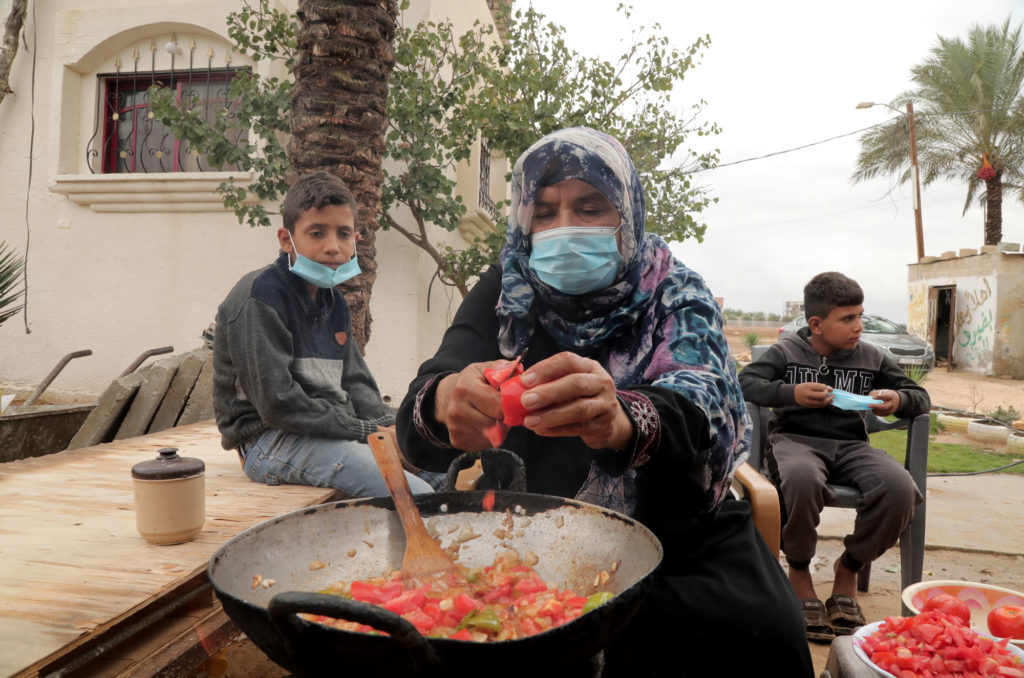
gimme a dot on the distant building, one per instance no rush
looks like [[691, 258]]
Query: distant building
[[793, 309]]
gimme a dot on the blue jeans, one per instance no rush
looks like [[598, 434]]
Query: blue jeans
[[278, 458]]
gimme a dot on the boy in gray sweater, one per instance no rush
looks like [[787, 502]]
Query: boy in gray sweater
[[292, 393], [817, 438]]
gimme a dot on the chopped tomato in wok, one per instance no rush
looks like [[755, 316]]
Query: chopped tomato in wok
[[934, 644], [503, 601]]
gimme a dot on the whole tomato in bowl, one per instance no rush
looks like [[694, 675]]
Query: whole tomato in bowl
[[1007, 621], [950, 605]]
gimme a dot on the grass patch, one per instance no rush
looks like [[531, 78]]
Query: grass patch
[[946, 457]]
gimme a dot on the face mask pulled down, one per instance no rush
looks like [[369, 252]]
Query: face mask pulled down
[[320, 275], [575, 259]]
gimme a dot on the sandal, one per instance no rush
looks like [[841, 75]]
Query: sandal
[[818, 628], [844, 614]]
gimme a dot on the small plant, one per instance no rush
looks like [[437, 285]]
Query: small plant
[[751, 339], [916, 373], [1007, 416], [976, 397]]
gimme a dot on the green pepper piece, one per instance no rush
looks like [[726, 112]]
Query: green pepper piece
[[597, 600], [485, 619]]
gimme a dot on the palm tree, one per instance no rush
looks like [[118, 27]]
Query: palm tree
[[970, 121], [9, 46], [11, 268], [339, 115]]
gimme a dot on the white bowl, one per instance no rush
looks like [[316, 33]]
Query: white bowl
[[865, 631], [980, 598]]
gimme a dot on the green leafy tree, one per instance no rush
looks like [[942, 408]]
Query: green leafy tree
[[543, 85], [968, 108], [448, 90], [11, 268]]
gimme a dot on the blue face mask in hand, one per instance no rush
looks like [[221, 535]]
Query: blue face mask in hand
[[320, 275], [574, 259], [845, 400]]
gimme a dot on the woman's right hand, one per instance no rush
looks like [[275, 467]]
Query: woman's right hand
[[467, 405]]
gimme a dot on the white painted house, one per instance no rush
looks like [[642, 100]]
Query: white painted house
[[122, 259]]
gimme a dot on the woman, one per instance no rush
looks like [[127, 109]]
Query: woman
[[632, 403]]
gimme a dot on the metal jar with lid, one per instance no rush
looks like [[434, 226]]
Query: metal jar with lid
[[170, 497]]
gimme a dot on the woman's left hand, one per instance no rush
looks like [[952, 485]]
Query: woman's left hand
[[890, 402], [569, 395]]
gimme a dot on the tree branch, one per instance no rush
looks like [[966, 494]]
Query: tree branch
[[9, 48]]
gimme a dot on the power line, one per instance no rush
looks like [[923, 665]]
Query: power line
[[920, 115], [788, 150]]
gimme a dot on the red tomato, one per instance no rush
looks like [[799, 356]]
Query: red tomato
[[495, 433], [496, 376], [951, 605], [511, 394], [1007, 621], [937, 644]]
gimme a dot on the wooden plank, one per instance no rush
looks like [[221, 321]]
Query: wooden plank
[[73, 563]]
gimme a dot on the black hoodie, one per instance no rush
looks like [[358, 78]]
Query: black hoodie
[[772, 379]]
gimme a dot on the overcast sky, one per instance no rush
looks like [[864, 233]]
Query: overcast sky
[[788, 73]]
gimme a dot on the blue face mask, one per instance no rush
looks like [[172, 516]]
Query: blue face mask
[[320, 275], [574, 259]]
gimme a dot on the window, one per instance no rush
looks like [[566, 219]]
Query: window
[[129, 140]]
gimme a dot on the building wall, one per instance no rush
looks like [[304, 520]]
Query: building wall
[[1009, 317], [120, 264], [987, 321]]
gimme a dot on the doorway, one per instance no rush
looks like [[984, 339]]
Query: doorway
[[941, 326]]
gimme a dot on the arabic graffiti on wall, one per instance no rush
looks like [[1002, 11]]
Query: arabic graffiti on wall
[[973, 325]]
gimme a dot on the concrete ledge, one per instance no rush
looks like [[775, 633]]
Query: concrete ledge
[[108, 413], [200, 403], [156, 378], [177, 395]]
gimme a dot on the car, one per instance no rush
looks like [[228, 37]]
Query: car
[[909, 351]]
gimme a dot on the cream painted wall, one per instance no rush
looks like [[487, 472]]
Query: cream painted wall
[[974, 310], [988, 312], [122, 282]]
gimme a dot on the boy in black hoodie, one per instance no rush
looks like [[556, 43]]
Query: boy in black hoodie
[[816, 439]]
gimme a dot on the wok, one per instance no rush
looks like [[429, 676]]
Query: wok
[[363, 538]]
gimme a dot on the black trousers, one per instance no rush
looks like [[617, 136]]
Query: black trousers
[[721, 605]]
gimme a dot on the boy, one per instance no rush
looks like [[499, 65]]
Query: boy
[[812, 442], [291, 391]]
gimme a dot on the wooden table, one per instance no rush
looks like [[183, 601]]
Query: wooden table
[[81, 592]]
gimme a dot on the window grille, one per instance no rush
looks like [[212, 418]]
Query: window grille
[[127, 137], [486, 204]]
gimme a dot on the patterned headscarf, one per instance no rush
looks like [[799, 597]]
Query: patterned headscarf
[[656, 324]]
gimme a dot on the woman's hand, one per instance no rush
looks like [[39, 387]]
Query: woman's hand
[[568, 395], [812, 394], [467, 404], [890, 402]]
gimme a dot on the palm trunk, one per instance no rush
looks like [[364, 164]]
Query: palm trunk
[[994, 209], [339, 116], [9, 47]]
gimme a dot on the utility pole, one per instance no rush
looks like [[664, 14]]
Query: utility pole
[[916, 201], [919, 229]]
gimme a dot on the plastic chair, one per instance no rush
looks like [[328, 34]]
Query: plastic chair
[[912, 538]]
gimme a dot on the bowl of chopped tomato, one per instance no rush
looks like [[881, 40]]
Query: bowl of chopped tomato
[[934, 644], [980, 599]]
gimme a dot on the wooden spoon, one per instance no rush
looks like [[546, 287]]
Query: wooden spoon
[[424, 560]]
